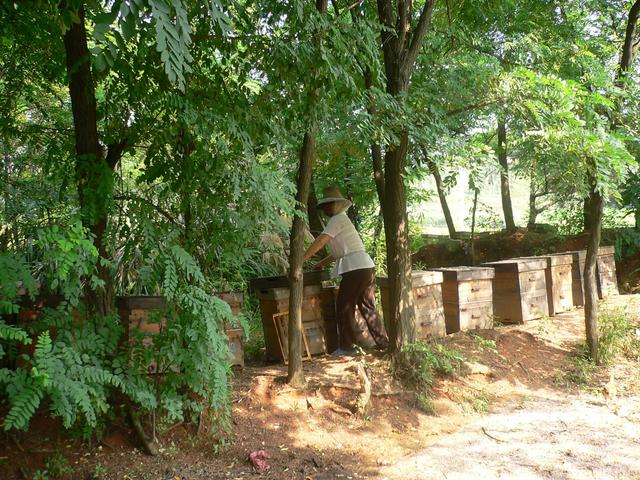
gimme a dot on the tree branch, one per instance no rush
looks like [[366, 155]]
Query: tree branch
[[418, 34]]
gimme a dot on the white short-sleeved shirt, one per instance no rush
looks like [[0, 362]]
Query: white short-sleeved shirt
[[346, 245]]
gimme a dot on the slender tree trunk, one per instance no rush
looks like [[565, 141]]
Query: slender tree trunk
[[590, 284], [533, 212], [473, 226], [93, 171], [295, 376], [595, 201], [441, 194], [315, 222], [396, 225], [586, 214], [637, 217], [504, 176], [376, 151], [295, 373]]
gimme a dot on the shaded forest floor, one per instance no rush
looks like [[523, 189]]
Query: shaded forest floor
[[523, 406]]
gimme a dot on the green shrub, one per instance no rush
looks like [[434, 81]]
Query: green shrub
[[79, 361], [616, 334], [418, 363]]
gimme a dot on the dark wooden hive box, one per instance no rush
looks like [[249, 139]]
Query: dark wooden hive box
[[318, 312], [427, 301], [519, 289], [467, 294], [135, 313]]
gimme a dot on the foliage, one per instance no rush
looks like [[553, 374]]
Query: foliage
[[15, 280], [418, 363], [616, 329]]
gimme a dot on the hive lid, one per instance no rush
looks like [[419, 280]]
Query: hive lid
[[282, 281], [579, 255], [467, 273], [556, 259], [606, 250], [419, 278], [518, 264], [141, 302]]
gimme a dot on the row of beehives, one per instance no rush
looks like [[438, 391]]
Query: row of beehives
[[448, 300]]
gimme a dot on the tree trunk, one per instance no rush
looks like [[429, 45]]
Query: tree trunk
[[401, 43], [376, 151], [396, 226], [595, 202], [315, 222], [473, 226], [590, 284], [295, 373], [93, 172], [586, 214], [533, 212], [504, 176], [443, 198]]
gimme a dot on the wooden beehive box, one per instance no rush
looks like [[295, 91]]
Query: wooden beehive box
[[577, 275], [606, 272], [558, 277], [427, 302], [273, 293], [467, 294], [519, 289], [136, 311]]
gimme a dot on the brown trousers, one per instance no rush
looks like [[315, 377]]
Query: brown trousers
[[357, 290]]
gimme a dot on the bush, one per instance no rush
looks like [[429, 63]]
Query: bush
[[617, 335], [79, 362], [418, 364]]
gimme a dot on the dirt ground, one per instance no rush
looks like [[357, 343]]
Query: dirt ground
[[522, 408]]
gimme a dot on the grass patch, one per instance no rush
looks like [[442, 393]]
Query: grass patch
[[618, 335], [485, 343], [471, 401], [419, 363], [546, 325]]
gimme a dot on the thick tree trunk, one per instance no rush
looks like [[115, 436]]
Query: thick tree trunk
[[590, 283], [401, 43], [396, 226], [441, 195], [93, 171], [504, 176], [295, 373]]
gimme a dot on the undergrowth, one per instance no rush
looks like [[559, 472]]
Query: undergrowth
[[419, 363]]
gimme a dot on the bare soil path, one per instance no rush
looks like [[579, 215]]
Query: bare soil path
[[552, 438]]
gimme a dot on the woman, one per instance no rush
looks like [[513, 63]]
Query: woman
[[357, 287]]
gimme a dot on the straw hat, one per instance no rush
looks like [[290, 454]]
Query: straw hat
[[333, 194]]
